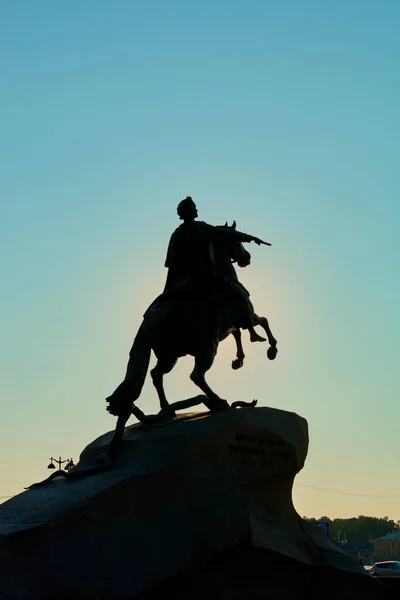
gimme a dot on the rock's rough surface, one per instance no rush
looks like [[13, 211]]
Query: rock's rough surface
[[178, 497]]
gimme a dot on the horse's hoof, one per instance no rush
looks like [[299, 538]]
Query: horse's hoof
[[237, 364], [218, 405], [272, 352], [166, 413]]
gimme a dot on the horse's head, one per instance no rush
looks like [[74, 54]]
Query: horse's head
[[237, 252]]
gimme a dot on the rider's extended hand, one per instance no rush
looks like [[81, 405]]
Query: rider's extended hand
[[258, 241]]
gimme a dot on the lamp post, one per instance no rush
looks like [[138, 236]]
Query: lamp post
[[70, 463], [371, 558]]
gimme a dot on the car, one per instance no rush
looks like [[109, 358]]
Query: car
[[386, 568]]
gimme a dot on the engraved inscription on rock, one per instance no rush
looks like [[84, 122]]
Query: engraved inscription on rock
[[259, 455]]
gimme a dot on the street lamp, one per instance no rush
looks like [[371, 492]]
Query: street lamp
[[70, 463]]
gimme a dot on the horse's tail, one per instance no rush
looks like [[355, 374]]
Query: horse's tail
[[120, 402]]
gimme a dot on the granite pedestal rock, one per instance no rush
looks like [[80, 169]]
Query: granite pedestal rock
[[202, 505]]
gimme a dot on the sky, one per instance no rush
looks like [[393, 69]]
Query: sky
[[280, 115]]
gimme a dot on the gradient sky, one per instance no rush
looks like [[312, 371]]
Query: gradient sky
[[281, 115]]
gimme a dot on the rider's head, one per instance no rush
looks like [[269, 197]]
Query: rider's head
[[187, 209]]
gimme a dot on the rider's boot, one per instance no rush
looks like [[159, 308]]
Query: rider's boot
[[254, 337]]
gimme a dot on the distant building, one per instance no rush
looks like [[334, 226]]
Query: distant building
[[387, 547]]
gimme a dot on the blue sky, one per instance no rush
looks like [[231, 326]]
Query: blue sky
[[281, 115]]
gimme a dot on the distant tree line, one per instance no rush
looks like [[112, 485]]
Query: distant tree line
[[358, 530]]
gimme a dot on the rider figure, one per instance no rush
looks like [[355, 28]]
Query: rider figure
[[190, 258]]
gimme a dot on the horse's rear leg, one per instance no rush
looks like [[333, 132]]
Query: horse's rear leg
[[163, 366], [203, 362], [240, 355]]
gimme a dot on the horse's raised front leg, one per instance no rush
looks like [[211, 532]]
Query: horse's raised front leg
[[203, 362], [240, 355], [248, 322], [272, 350], [163, 366]]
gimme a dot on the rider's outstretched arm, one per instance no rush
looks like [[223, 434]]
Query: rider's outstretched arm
[[233, 235]]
